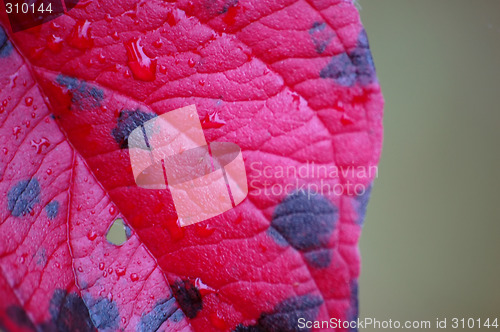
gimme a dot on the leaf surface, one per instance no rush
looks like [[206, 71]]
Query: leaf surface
[[291, 82]]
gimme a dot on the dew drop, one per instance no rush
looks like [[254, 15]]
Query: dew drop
[[14, 81], [143, 67], [203, 288], [81, 36], [2, 109], [101, 266], [110, 270], [158, 43], [54, 26], [120, 271], [217, 321], [80, 269], [345, 120], [134, 277], [55, 43], [28, 101], [296, 99], [92, 235], [112, 210], [204, 230], [191, 63], [163, 69], [171, 19], [36, 52], [21, 259], [92, 211], [33, 115], [49, 171], [175, 230], [5, 150], [124, 320], [212, 121], [115, 36], [104, 274], [101, 58], [16, 131], [40, 144], [339, 106], [4, 102], [201, 82]]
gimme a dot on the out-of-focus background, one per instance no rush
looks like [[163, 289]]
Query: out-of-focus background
[[431, 242]]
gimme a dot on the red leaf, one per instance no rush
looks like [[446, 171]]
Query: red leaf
[[292, 83]]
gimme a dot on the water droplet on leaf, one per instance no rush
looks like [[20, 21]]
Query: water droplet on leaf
[[81, 36], [143, 67], [212, 121], [40, 144]]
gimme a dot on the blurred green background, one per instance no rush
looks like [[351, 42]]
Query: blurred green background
[[431, 242]]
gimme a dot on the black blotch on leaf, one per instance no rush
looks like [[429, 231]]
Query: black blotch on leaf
[[103, 313], [83, 95], [321, 36], [159, 314], [23, 196], [5, 45], [348, 68], [306, 222], [188, 297], [19, 316], [285, 315], [127, 122], [52, 209], [69, 313]]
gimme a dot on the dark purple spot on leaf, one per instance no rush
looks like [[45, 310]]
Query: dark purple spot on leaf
[[19, 317], [23, 196], [360, 205], [177, 316], [321, 36], [188, 297], [127, 122], [286, 314], [305, 221], [69, 313], [103, 313], [353, 312], [83, 95], [159, 314], [52, 209], [348, 68], [5, 45], [319, 258]]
